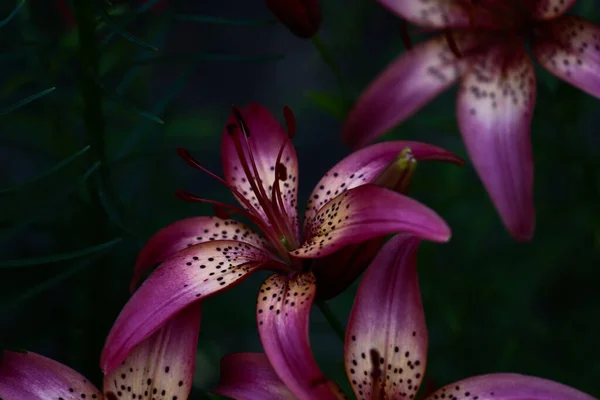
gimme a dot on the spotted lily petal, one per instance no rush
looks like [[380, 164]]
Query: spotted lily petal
[[32, 376], [569, 47], [191, 275], [495, 108], [162, 366], [366, 164], [431, 13], [386, 339], [189, 232], [283, 311], [406, 85], [250, 376], [508, 387], [265, 141], [367, 212], [549, 9]]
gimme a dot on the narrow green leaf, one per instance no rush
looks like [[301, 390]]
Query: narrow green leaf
[[25, 101], [330, 103], [117, 98], [46, 173], [49, 205], [12, 13], [223, 21], [108, 20], [29, 262], [139, 10]]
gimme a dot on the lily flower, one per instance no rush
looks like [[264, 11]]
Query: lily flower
[[483, 45], [385, 350], [202, 256], [162, 366]]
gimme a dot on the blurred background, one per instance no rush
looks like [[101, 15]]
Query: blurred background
[[70, 231]]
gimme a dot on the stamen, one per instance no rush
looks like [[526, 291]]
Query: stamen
[[290, 121], [222, 212], [452, 44], [281, 174], [405, 35], [238, 115]]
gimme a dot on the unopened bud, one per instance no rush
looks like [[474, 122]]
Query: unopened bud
[[398, 175], [302, 17]]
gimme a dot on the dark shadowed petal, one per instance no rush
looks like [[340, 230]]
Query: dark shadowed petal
[[508, 387], [162, 366], [431, 13], [406, 85], [265, 140], [386, 339], [366, 164], [250, 376], [282, 314], [367, 212], [188, 232], [191, 275], [549, 9], [32, 376], [495, 108], [569, 47]]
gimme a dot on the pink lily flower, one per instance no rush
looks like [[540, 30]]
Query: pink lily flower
[[162, 366], [385, 349], [204, 255], [484, 45]]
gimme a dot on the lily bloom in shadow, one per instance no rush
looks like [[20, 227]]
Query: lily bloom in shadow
[[205, 255], [385, 349], [162, 366], [483, 45]]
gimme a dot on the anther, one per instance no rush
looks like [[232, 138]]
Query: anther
[[231, 129], [452, 44], [238, 115], [281, 172]]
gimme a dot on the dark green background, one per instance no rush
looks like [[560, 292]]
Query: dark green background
[[491, 304]]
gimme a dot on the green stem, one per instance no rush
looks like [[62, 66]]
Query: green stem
[[325, 54], [332, 319]]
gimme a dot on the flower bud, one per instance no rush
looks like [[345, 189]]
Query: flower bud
[[302, 17], [398, 175]]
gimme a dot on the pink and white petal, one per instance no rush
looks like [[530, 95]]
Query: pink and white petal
[[265, 141], [495, 108], [187, 233], [283, 311], [367, 212], [508, 387], [250, 376], [32, 376], [550, 9], [162, 365], [431, 13], [365, 165], [569, 47], [191, 275], [407, 84], [386, 338]]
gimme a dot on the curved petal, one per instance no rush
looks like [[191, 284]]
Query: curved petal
[[283, 311], [386, 339], [187, 233], [407, 84], [191, 275], [265, 141], [508, 387], [495, 108], [569, 47], [549, 9], [32, 376], [367, 212], [365, 165], [431, 13], [250, 376], [162, 365]]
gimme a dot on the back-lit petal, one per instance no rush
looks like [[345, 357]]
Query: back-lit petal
[[363, 166], [367, 212], [406, 85], [569, 47], [250, 376], [508, 387], [191, 275], [549, 9], [282, 314], [431, 13], [189, 232], [386, 339], [266, 137], [162, 366], [495, 108], [32, 376]]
